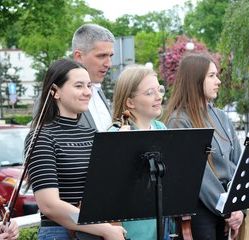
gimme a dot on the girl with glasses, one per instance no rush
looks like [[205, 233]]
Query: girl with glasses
[[139, 93]]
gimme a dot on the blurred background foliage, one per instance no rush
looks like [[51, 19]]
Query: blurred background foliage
[[43, 29]]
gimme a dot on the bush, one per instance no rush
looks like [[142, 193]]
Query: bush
[[28, 233], [19, 119]]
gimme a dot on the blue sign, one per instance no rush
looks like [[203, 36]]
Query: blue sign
[[12, 88]]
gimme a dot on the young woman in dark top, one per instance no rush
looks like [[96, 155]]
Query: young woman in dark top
[[60, 158]]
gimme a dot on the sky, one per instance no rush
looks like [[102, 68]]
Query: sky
[[116, 8]]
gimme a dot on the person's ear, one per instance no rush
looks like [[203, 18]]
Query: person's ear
[[130, 103], [54, 91], [77, 55]]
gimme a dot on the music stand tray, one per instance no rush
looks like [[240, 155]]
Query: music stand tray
[[119, 186], [237, 196]]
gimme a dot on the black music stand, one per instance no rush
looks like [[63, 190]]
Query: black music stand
[[123, 171], [237, 196]]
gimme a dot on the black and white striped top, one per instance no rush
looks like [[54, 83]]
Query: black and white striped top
[[60, 158]]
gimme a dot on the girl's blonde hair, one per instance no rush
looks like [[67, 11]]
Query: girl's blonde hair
[[127, 85]]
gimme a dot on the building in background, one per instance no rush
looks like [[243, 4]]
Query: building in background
[[17, 58]]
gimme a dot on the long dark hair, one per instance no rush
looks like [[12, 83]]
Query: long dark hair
[[56, 74], [188, 92]]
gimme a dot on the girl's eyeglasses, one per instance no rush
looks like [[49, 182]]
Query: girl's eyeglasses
[[154, 91]]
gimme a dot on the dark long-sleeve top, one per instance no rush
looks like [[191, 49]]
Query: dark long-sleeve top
[[60, 159], [225, 155]]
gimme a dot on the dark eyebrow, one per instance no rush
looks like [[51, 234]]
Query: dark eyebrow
[[105, 54], [82, 82]]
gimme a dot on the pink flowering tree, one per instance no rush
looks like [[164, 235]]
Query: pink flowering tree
[[169, 60]]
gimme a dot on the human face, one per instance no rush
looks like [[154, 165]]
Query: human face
[[73, 97], [146, 104], [98, 60], [211, 82]]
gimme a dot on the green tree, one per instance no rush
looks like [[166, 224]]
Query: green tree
[[234, 45], [10, 12], [147, 47], [45, 30], [205, 21], [150, 31], [130, 25], [47, 27], [151, 22]]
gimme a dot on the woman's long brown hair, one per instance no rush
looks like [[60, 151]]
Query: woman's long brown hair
[[188, 92]]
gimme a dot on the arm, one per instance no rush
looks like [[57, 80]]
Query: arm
[[52, 208], [230, 131], [211, 188], [43, 176]]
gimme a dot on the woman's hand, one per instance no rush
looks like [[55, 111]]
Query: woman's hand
[[235, 220], [13, 230], [115, 233], [233, 224], [10, 231]]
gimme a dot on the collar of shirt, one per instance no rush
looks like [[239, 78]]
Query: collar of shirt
[[98, 109], [97, 86]]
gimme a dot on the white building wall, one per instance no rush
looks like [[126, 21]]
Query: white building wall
[[18, 58]]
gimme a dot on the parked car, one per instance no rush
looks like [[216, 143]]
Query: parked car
[[11, 160]]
